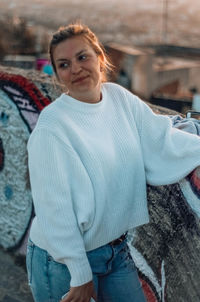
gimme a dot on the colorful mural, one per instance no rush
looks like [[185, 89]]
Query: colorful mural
[[20, 105], [166, 251]]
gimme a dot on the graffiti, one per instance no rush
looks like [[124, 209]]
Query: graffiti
[[20, 105], [149, 281], [194, 179], [168, 246], [25, 95]]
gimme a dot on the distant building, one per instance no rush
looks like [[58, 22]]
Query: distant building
[[19, 61], [195, 99], [169, 69], [133, 67], [123, 79], [173, 78], [152, 75]]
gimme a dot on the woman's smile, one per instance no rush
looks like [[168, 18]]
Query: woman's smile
[[80, 80], [79, 69]]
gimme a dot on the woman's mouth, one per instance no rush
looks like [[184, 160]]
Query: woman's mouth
[[79, 80]]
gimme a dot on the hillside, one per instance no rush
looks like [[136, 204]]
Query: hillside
[[127, 21]]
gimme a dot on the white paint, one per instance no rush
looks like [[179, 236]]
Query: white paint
[[190, 196], [143, 266], [163, 280]]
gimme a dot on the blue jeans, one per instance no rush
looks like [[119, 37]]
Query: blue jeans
[[114, 275]]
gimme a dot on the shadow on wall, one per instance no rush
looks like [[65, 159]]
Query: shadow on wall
[[166, 251]]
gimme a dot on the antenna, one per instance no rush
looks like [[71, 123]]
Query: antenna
[[165, 22]]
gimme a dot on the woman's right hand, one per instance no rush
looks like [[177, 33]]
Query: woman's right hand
[[81, 293]]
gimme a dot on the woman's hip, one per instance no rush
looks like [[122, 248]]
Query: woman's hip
[[48, 279]]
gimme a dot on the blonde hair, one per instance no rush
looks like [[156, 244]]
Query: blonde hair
[[78, 29]]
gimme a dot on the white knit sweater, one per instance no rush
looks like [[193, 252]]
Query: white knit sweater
[[89, 164]]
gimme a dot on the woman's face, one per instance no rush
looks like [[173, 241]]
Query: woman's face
[[78, 69]]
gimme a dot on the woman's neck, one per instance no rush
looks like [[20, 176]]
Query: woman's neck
[[91, 97]]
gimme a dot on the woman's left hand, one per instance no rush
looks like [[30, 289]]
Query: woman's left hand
[[81, 293]]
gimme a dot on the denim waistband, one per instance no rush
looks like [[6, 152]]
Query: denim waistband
[[118, 240]]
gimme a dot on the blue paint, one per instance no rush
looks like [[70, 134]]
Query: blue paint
[[8, 192], [4, 118]]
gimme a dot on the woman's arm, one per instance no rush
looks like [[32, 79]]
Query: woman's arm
[[55, 174], [169, 154]]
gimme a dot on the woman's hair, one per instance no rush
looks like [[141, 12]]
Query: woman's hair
[[75, 30]]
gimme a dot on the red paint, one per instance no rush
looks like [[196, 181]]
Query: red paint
[[149, 293], [195, 179], [29, 87]]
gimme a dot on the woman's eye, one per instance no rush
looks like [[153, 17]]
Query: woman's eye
[[64, 65], [82, 57]]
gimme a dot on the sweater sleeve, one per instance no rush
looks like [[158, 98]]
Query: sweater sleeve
[[54, 173], [169, 154]]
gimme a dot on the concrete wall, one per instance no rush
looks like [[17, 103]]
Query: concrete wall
[[161, 78], [120, 60], [143, 75], [137, 66], [166, 251], [194, 78]]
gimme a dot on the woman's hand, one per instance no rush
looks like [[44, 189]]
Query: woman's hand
[[81, 293]]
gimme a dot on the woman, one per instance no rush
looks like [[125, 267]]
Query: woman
[[90, 156]]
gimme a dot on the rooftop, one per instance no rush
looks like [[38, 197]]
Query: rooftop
[[130, 50], [169, 63]]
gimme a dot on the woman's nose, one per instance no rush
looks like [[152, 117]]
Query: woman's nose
[[75, 67]]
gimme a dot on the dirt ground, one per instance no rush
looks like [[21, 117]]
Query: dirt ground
[[13, 279]]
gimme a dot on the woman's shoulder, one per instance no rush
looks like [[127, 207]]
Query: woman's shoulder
[[54, 105], [113, 86], [118, 92], [49, 116], [52, 109]]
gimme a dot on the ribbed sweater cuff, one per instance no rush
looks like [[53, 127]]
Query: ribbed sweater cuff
[[80, 272]]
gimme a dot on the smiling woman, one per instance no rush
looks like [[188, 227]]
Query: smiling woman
[[91, 154], [79, 62], [79, 69], [78, 30]]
